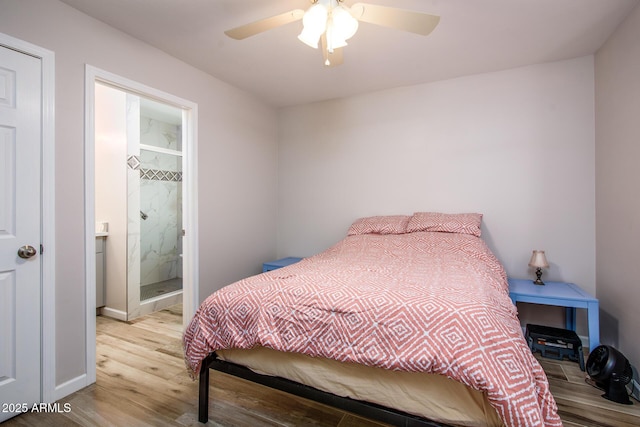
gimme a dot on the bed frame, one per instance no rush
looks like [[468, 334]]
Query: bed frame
[[365, 409]]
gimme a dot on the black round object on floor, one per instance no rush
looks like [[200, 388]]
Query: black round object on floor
[[611, 371]]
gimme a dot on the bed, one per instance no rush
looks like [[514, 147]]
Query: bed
[[407, 318]]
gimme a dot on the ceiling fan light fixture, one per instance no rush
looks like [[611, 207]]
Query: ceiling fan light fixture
[[343, 23], [335, 40], [333, 23], [328, 16], [314, 24]]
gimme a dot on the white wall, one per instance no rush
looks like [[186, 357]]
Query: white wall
[[516, 145], [111, 189], [237, 157], [617, 71]]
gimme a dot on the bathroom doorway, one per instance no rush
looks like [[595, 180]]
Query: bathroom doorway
[[141, 201], [139, 190], [138, 203]]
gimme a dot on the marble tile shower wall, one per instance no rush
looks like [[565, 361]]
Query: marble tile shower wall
[[161, 203]]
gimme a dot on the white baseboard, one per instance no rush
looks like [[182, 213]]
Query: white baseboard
[[113, 313]]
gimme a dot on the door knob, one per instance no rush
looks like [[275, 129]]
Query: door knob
[[26, 251]]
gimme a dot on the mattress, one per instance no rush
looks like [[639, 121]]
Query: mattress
[[430, 396]]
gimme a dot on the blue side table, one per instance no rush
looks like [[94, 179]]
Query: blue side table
[[283, 262], [560, 294]]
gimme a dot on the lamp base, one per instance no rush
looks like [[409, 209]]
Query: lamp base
[[538, 281]]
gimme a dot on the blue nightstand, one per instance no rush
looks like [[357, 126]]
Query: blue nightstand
[[560, 294], [283, 262]]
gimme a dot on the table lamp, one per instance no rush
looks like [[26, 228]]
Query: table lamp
[[539, 261]]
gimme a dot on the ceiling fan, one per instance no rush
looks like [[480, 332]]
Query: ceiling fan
[[332, 24]]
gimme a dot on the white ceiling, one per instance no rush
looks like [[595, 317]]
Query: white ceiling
[[473, 36]]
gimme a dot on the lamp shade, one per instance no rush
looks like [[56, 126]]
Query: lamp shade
[[538, 260], [343, 23], [334, 38], [314, 24]]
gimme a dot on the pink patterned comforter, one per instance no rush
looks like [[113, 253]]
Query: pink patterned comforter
[[420, 302]]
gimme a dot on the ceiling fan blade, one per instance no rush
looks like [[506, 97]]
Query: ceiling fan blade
[[399, 19], [262, 25], [331, 59]]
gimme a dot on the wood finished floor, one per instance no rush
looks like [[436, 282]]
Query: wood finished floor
[[142, 381]]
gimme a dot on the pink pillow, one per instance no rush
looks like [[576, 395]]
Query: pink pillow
[[390, 224], [464, 223]]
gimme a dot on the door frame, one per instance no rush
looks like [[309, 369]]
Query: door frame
[[47, 199], [190, 195]]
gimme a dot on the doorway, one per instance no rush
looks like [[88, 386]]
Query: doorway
[[138, 203], [141, 166]]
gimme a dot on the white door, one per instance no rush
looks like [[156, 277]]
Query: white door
[[20, 222]]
